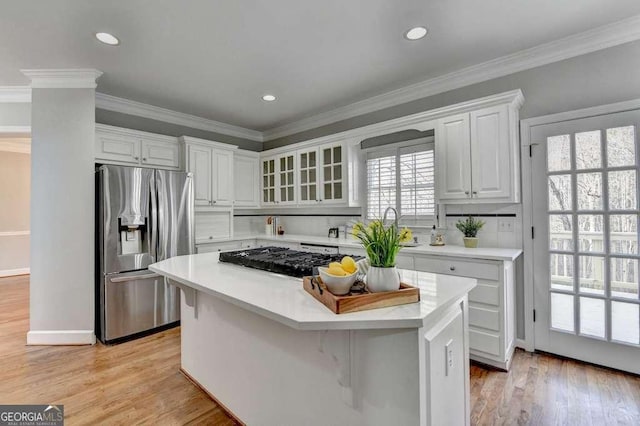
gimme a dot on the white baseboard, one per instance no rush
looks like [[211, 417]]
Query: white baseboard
[[61, 337], [11, 272]]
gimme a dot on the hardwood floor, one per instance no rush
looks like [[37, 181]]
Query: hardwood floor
[[139, 382]]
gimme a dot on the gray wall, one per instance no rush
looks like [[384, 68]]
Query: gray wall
[[62, 211], [602, 77], [15, 114], [147, 125]]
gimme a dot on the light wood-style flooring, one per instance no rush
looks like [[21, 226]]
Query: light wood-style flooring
[[139, 382]]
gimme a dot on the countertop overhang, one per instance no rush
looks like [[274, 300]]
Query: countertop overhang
[[282, 298]]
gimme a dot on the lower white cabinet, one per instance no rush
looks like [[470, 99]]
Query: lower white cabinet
[[491, 305], [225, 246]]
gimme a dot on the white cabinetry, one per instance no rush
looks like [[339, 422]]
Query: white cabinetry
[[477, 156], [279, 179], [314, 174], [322, 174], [213, 225], [491, 305], [246, 179], [116, 145], [212, 166]]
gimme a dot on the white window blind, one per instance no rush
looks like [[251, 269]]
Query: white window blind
[[402, 178]]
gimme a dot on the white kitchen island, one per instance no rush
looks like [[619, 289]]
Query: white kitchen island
[[271, 354]]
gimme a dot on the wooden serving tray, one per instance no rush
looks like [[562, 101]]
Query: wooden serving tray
[[354, 302]]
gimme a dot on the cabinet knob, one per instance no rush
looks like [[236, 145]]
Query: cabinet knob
[[136, 158], [144, 159], [210, 237], [475, 192], [213, 202], [452, 268], [466, 192]]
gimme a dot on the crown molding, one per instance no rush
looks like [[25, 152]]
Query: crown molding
[[126, 106], [589, 41], [63, 78], [20, 145], [20, 94]]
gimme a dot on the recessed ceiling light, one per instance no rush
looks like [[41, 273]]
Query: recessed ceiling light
[[415, 33], [107, 38], [269, 98]]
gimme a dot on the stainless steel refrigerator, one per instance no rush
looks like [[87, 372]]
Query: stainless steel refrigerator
[[143, 216]]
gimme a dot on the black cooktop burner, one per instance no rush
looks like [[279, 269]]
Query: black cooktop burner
[[281, 260]]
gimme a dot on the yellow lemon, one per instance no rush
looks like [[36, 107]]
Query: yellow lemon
[[348, 264], [335, 265], [336, 271]]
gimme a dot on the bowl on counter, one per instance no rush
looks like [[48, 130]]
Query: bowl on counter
[[337, 285]]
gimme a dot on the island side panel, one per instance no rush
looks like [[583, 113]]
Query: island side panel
[[269, 374]]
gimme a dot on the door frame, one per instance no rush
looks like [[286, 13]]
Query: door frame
[[528, 343]]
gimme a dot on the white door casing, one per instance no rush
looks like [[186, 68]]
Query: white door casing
[[584, 209]]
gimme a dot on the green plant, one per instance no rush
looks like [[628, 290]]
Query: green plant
[[470, 226], [381, 243]]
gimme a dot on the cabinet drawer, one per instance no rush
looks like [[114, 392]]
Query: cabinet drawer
[[484, 341], [208, 248], [485, 292], [484, 317], [452, 266]]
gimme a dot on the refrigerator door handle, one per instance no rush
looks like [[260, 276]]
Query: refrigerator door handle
[[154, 218], [133, 277]]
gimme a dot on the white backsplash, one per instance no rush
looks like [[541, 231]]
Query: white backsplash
[[491, 235]]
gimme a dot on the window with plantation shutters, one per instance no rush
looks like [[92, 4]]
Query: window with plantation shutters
[[402, 178]]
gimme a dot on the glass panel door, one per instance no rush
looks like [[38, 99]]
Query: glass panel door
[[286, 179], [269, 180], [332, 171], [586, 216], [308, 177]]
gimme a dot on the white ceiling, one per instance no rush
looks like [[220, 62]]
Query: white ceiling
[[215, 59]]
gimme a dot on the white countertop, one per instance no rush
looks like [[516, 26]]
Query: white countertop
[[447, 250], [282, 298]]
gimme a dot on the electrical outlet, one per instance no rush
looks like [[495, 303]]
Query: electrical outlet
[[448, 357], [506, 225]]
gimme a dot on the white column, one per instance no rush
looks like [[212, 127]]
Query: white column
[[62, 285]]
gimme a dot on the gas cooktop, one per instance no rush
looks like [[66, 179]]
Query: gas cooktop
[[281, 260]]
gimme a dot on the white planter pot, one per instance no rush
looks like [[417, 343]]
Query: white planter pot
[[382, 279]]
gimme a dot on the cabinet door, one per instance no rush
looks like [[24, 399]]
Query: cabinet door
[[268, 181], [332, 173], [116, 147], [246, 181], [160, 153], [453, 158], [222, 177], [286, 179], [212, 225], [199, 163], [490, 153], [308, 177]]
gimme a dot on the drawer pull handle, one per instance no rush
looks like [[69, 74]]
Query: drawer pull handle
[[452, 268]]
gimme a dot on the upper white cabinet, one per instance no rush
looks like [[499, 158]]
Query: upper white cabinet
[[116, 145], [321, 174], [212, 166], [279, 179], [477, 156], [316, 174], [246, 170]]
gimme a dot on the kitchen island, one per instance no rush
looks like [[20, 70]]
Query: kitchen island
[[271, 354]]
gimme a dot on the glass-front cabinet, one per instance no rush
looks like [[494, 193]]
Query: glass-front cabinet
[[268, 180], [286, 179], [278, 179], [321, 174]]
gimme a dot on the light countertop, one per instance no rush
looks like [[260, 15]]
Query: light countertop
[[486, 253], [282, 298]]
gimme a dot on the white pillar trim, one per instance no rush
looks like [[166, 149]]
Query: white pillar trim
[[84, 78]]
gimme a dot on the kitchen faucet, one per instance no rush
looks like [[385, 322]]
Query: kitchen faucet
[[395, 213]]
